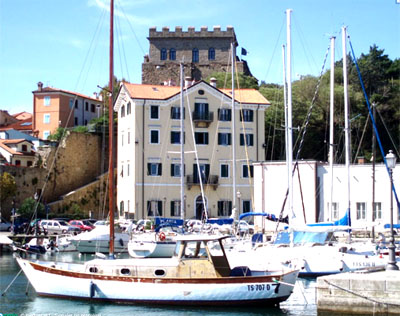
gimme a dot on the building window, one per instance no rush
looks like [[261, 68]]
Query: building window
[[249, 140], [211, 53], [128, 108], [246, 206], [76, 121], [201, 138], [46, 134], [175, 208], [195, 55], [377, 210], [246, 115], [122, 139], [201, 111], [24, 148], [154, 136], [154, 112], [175, 170], [47, 100], [129, 137], [71, 103], [224, 115], [122, 170], [17, 162], [361, 211], [92, 108], [128, 169], [29, 163], [123, 111], [76, 104], [172, 54], [176, 137], [176, 113], [224, 139], [86, 106], [46, 118], [154, 169], [224, 208], [121, 208], [86, 122], [154, 208], [224, 171], [247, 171], [163, 54], [335, 210]]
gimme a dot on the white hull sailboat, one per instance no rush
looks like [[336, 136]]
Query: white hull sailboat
[[199, 273]]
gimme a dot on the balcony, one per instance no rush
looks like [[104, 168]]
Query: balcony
[[192, 180], [202, 119]]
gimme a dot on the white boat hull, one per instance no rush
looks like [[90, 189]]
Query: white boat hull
[[71, 283], [151, 249]]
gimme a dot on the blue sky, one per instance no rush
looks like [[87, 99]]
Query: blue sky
[[64, 43]]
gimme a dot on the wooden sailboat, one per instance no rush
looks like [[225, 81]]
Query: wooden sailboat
[[199, 272]]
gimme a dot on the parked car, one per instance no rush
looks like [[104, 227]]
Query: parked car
[[58, 227], [83, 225], [125, 223], [4, 225], [19, 225]]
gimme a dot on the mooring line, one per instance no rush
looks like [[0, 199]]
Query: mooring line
[[2, 294]]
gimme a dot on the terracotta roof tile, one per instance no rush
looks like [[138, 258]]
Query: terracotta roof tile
[[159, 92], [49, 89]]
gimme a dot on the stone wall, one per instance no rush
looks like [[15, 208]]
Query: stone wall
[[74, 163]]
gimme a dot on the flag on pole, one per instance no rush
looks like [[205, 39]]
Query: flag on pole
[[244, 52]]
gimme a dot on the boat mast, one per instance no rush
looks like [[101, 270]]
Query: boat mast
[[346, 117], [331, 122], [111, 183], [289, 146], [182, 146], [233, 134]]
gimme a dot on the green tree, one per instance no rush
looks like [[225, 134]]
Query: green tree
[[28, 208], [8, 186]]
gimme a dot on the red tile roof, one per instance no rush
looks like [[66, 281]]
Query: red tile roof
[[53, 90]]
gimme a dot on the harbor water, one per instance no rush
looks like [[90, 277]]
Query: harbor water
[[20, 299]]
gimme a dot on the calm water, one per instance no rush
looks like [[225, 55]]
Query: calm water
[[21, 299]]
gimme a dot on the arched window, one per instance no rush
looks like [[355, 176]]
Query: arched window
[[172, 54], [211, 53], [163, 55], [195, 55]]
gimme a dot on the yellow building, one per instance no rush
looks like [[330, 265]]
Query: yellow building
[[149, 147]]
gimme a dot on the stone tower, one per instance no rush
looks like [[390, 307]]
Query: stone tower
[[203, 52]]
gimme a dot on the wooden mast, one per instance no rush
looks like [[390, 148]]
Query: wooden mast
[[111, 182]]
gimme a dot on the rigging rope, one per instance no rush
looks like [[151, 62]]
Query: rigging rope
[[373, 120]]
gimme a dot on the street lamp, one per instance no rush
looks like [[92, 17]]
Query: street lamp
[[238, 195], [391, 163]]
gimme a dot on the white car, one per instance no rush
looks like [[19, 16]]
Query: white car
[[58, 227], [5, 226]]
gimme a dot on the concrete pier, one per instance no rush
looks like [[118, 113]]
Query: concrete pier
[[368, 293]]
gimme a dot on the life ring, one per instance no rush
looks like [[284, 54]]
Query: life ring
[[161, 236]]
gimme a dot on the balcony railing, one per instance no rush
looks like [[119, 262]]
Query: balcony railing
[[192, 180], [202, 119]]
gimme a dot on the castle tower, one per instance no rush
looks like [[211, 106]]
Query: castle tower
[[203, 52]]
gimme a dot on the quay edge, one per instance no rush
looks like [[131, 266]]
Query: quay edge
[[359, 293]]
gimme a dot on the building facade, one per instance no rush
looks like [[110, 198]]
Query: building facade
[[315, 199], [17, 152], [53, 108], [202, 52], [149, 163]]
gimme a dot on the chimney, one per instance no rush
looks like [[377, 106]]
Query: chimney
[[95, 95], [188, 82], [213, 82], [40, 86]]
